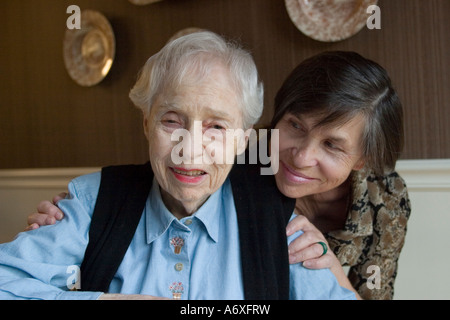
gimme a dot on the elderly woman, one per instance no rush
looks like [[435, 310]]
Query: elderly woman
[[341, 132], [189, 230]]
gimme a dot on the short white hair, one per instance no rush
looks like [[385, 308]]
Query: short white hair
[[200, 51]]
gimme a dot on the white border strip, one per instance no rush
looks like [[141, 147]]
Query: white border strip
[[420, 175]]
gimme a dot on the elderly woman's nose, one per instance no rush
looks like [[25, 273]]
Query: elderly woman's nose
[[306, 155], [193, 143]]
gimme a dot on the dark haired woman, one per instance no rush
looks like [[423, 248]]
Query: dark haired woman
[[340, 134]]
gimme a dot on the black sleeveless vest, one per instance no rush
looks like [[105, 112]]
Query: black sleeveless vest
[[262, 212]]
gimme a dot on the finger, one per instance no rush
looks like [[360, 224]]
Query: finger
[[58, 197], [296, 224], [48, 208], [314, 251], [31, 227], [323, 262], [306, 239], [39, 219]]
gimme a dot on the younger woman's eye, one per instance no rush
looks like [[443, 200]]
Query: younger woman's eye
[[296, 125], [330, 145]]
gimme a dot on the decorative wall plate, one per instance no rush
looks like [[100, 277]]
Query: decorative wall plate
[[329, 20], [89, 51]]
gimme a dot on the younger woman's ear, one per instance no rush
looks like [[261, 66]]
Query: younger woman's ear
[[359, 164]]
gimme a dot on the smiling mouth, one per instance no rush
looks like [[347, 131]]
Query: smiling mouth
[[295, 176], [189, 173]]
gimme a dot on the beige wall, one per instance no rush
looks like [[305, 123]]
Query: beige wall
[[423, 266]]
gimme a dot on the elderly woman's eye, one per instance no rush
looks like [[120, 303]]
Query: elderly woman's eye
[[217, 127], [171, 120], [171, 124]]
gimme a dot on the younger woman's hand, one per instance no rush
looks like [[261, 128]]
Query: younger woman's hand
[[306, 248], [47, 213]]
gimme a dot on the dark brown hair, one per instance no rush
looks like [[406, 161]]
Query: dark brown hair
[[337, 86]]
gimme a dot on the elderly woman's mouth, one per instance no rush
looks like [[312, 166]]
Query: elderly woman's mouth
[[188, 175]]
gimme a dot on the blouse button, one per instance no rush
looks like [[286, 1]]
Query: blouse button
[[179, 266]]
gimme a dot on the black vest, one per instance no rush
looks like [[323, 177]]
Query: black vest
[[262, 213]]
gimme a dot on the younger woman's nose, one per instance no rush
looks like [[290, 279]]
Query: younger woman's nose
[[306, 155]]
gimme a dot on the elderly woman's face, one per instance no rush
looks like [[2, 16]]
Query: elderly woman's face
[[314, 160], [208, 107]]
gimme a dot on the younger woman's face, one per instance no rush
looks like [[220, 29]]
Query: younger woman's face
[[314, 160]]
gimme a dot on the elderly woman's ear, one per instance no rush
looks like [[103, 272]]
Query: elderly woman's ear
[[145, 122]]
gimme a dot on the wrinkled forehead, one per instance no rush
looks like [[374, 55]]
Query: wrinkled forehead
[[205, 100], [330, 117]]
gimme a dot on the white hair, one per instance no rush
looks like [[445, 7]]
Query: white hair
[[200, 51]]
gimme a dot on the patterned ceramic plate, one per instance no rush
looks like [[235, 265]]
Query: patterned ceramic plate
[[329, 20], [89, 51]]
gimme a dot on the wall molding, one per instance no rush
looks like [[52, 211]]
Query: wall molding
[[49, 178], [420, 175], [425, 175]]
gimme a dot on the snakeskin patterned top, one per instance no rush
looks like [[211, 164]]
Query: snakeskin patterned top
[[374, 233]]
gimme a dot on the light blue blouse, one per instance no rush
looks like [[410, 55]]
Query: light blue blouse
[[197, 257]]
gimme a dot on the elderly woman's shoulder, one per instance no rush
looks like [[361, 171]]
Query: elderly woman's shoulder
[[87, 184]]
